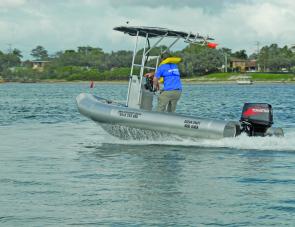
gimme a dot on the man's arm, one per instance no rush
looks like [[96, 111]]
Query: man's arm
[[150, 75], [156, 83], [156, 78]]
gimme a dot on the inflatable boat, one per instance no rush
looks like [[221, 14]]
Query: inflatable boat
[[116, 118], [136, 117], [105, 112]]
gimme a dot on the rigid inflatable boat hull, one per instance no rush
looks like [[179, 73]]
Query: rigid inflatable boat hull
[[101, 111]]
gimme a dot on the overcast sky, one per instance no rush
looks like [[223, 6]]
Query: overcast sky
[[67, 24]]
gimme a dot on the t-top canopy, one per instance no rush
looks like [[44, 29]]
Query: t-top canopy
[[158, 32]]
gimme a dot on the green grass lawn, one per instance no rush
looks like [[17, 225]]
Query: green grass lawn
[[268, 76], [220, 76], [252, 76]]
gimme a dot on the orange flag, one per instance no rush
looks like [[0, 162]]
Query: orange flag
[[212, 45]]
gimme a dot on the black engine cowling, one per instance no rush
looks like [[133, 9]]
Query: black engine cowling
[[256, 118]]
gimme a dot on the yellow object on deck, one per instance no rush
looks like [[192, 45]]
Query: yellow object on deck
[[173, 60]]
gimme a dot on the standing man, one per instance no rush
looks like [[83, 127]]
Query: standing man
[[171, 92]]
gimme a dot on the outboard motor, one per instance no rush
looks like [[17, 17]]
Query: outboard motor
[[256, 119]]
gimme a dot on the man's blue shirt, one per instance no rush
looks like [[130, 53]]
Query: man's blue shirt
[[171, 76]]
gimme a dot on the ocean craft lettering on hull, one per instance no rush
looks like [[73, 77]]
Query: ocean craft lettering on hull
[[129, 114], [191, 124]]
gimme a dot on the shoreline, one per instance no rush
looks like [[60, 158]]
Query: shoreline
[[235, 82], [184, 81]]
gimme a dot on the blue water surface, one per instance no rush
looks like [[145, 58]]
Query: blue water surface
[[58, 168]]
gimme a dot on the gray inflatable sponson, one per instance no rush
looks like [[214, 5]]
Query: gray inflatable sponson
[[103, 111]]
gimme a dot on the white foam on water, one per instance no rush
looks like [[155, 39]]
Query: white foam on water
[[286, 143], [73, 135]]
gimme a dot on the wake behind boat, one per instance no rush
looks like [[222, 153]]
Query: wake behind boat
[[137, 113]]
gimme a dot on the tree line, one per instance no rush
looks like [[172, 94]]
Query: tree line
[[92, 63]]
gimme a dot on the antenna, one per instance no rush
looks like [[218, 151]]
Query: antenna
[[258, 51], [9, 48], [257, 43]]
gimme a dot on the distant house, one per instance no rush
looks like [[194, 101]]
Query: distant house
[[39, 65], [251, 65], [243, 65]]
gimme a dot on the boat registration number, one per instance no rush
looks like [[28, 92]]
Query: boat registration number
[[129, 114], [191, 124]]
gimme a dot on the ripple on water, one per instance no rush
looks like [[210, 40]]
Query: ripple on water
[[58, 168]]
